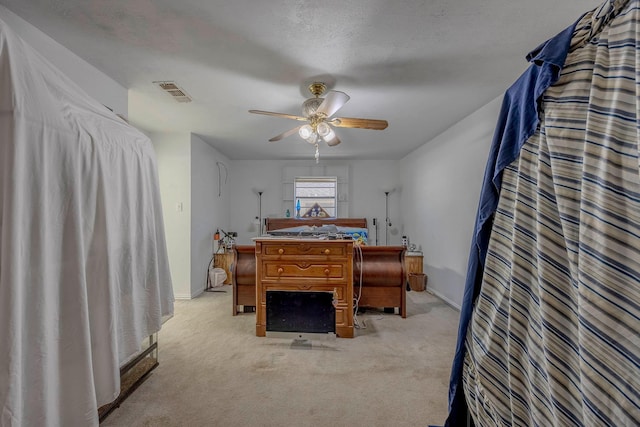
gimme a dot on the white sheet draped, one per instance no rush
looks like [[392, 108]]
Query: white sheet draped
[[84, 273]]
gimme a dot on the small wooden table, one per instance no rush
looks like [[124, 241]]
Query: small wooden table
[[224, 261], [413, 263]]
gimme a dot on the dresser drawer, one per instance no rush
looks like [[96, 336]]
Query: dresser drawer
[[304, 248], [274, 270]]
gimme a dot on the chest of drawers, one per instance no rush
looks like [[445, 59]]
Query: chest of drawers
[[306, 265]]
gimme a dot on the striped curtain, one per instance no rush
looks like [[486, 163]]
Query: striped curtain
[[555, 335]]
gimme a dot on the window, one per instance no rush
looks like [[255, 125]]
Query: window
[[312, 191]]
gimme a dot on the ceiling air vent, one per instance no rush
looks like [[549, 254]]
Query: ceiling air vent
[[174, 90]]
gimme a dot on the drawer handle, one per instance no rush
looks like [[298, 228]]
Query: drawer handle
[[280, 251], [326, 271], [280, 270], [327, 251]]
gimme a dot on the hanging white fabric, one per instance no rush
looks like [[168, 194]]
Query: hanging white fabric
[[84, 273]]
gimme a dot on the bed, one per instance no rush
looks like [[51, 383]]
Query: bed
[[382, 268], [354, 228], [84, 276]]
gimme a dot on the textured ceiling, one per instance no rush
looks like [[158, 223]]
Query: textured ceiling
[[421, 65]]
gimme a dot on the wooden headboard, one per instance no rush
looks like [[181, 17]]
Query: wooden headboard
[[279, 223]]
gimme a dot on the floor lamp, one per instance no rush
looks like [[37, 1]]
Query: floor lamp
[[375, 225], [387, 221], [260, 212]]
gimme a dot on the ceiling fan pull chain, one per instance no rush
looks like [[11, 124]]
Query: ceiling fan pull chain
[[317, 156]]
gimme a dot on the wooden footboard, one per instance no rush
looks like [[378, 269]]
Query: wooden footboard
[[244, 278], [383, 273]]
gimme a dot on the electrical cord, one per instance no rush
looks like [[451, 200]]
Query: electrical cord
[[208, 277], [356, 300], [209, 286], [226, 173]]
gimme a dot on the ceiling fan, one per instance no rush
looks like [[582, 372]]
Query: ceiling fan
[[317, 113]]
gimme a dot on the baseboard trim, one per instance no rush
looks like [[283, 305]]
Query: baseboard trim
[[445, 299], [189, 296]]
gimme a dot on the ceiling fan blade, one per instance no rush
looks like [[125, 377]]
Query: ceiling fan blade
[[285, 134], [350, 122], [332, 102], [283, 115]]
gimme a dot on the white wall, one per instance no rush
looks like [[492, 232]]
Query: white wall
[[209, 207], [370, 179], [191, 206], [173, 151], [97, 84], [440, 192], [367, 181]]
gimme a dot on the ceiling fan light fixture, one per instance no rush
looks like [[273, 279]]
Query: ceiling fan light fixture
[[305, 131], [330, 136], [310, 106], [313, 139], [318, 113], [323, 129]]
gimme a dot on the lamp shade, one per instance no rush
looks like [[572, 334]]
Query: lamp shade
[[313, 138], [305, 131], [323, 129]]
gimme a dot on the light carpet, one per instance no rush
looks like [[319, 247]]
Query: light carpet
[[214, 371]]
